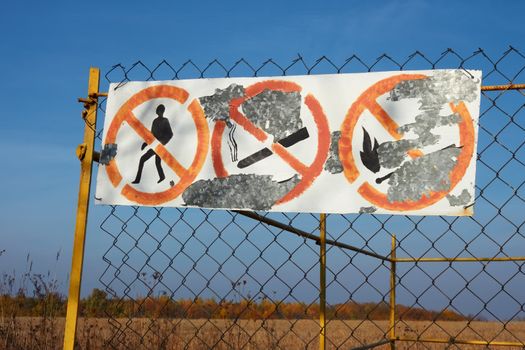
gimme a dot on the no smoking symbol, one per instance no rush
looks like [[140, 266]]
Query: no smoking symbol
[[186, 175], [307, 172]]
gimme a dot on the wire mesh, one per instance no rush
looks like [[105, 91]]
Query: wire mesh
[[197, 279]]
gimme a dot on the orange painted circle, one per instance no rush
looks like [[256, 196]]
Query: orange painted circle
[[368, 100], [186, 176], [308, 172]]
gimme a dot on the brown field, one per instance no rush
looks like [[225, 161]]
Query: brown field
[[93, 333]]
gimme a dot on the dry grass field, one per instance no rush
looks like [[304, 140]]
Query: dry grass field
[[38, 333]]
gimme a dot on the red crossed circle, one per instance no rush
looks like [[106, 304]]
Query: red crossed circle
[[308, 172], [186, 176], [368, 100]]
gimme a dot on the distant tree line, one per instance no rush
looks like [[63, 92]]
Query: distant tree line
[[99, 304]]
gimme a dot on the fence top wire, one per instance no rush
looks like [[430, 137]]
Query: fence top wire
[[499, 69]]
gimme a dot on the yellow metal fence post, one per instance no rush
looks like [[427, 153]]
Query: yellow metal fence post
[[393, 294], [322, 281], [85, 155]]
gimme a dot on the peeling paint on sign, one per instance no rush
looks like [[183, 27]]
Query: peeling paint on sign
[[462, 200], [217, 106], [333, 163], [367, 210], [108, 153], [423, 175], [257, 192], [433, 94], [278, 113], [393, 153], [440, 88]]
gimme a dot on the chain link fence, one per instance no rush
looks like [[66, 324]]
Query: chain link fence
[[198, 279]]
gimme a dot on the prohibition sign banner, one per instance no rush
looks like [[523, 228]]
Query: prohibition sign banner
[[272, 148], [308, 172], [368, 101], [186, 175]]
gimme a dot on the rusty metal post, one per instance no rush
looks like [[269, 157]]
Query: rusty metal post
[[322, 281], [393, 294], [85, 155]]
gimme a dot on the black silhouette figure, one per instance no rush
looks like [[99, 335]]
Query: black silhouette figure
[[161, 129]]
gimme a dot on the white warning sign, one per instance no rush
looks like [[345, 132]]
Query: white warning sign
[[387, 142]]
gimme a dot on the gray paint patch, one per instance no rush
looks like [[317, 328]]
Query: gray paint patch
[[439, 89], [367, 210], [277, 113], [243, 191], [433, 93], [108, 153], [333, 163], [423, 175], [217, 106], [463, 199], [393, 153]]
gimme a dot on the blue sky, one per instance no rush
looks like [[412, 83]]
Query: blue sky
[[48, 47]]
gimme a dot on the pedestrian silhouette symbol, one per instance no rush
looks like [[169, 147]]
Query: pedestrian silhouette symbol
[[161, 129]]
